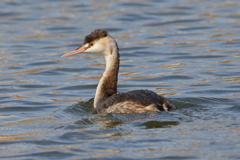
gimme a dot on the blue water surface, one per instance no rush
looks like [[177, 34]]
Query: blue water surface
[[188, 51]]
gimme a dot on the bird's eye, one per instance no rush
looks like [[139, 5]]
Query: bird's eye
[[91, 44]]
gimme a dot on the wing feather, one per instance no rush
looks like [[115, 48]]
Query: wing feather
[[136, 101]]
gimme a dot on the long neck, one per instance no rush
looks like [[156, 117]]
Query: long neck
[[108, 83]]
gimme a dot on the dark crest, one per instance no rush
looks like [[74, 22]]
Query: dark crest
[[95, 35]]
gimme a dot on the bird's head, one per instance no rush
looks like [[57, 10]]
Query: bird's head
[[97, 42]]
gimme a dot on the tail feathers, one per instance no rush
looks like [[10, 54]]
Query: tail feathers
[[168, 105]]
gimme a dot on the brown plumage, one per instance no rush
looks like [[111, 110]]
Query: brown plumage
[[136, 101], [107, 100]]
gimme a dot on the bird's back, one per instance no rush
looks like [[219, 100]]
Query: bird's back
[[137, 101]]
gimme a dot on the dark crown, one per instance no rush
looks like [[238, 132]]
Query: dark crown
[[95, 35]]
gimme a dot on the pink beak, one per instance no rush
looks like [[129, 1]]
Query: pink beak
[[77, 51]]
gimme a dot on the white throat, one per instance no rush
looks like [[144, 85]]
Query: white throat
[[108, 83]]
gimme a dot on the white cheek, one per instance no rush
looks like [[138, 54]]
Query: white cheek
[[97, 48]]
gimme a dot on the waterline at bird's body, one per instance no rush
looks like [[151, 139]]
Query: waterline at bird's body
[[107, 99]]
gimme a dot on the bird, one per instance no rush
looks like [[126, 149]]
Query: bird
[[107, 99]]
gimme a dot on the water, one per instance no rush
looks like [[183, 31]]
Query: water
[[188, 51]]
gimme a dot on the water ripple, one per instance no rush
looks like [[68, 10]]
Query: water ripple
[[187, 51]]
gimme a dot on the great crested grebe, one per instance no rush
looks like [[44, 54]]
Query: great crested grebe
[[107, 99]]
